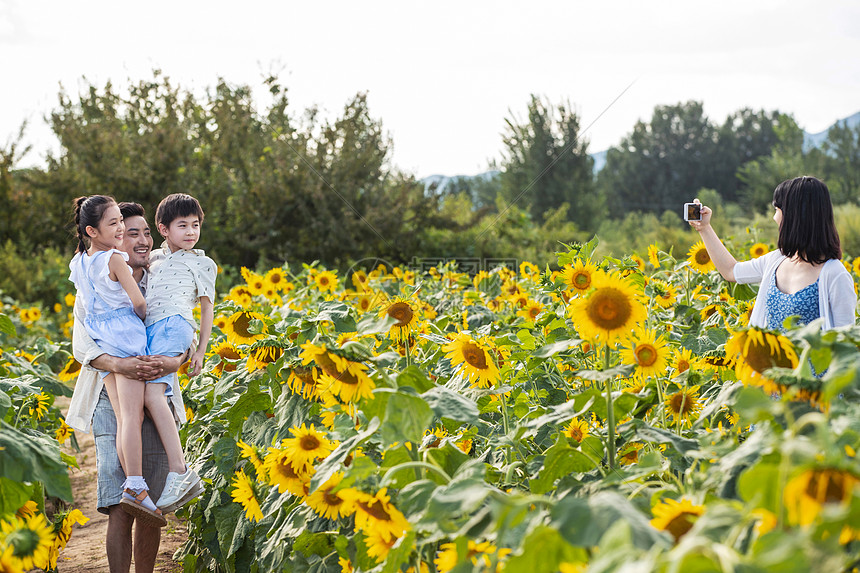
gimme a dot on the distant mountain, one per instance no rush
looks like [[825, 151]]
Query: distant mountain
[[813, 140], [439, 183]]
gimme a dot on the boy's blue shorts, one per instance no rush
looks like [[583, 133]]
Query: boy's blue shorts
[[170, 336]]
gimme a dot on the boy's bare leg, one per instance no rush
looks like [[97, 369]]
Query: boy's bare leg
[[162, 417]]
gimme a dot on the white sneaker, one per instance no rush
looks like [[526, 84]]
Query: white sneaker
[[179, 489]]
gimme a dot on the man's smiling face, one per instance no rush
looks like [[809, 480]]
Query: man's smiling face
[[137, 242]]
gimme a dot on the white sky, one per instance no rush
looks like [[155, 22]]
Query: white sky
[[444, 75]]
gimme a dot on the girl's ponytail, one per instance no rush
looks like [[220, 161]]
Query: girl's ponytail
[[88, 213]]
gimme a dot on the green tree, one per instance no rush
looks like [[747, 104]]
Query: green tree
[[546, 164], [841, 162], [660, 164]]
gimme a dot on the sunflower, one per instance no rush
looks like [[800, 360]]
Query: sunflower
[[448, 558], [629, 454], [63, 432], [755, 351], [765, 520], [406, 316], [245, 493], [531, 310], [277, 278], [640, 263], [676, 517], [303, 381], [306, 446], [855, 265], [709, 311], [806, 494], [579, 278], [327, 503], [41, 401], [378, 546], [240, 295], [326, 281], [69, 299], [376, 513], [609, 312], [476, 359], [280, 472], [758, 250], [228, 355], [699, 258], [220, 322], [31, 540], [72, 518], [238, 328], [684, 360], [264, 353], [252, 453], [529, 270], [576, 429], [256, 283], [664, 293], [70, 370], [350, 384], [360, 280], [684, 405], [654, 255], [648, 352]]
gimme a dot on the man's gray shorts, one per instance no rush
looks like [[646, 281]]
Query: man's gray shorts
[[110, 474]]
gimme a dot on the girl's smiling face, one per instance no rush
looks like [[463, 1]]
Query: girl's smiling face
[[110, 230]]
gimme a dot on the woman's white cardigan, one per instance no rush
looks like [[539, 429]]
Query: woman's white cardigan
[[837, 299]]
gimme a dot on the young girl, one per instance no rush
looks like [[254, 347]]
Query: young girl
[[115, 307], [804, 277], [180, 277]]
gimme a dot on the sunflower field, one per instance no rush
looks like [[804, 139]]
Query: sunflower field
[[609, 415], [33, 468]]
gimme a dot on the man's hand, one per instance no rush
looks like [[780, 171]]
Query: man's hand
[[155, 366]]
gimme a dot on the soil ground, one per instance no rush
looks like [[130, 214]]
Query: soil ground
[[85, 552]]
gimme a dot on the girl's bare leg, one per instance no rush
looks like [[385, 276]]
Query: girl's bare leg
[[110, 386], [130, 397], [162, 417]]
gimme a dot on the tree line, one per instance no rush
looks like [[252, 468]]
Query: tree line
[[280, 184]]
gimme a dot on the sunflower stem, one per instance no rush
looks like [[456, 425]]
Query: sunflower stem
[[610, 414], [505, 423]]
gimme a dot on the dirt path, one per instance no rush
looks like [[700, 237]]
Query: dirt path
[[86, 552]]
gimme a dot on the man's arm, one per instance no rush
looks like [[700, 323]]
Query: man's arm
[[88, 353]]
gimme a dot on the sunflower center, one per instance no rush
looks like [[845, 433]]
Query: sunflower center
[[581, 280], [364, 304], [309, 443], [682, 403], [534, 311], [286, 470], [242, 325], [576, 434], [680, 524], [760, 358], [609, 308], [475, 356], [331, 498], [827, 487], [702, 257], [683, 365], [402, 312], [376, 509], [646, 355]]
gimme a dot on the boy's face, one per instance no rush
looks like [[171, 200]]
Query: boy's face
[[137, 242], [183, 232]]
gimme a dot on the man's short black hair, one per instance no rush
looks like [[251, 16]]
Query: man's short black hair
[[807, 227], [128, 209], [177, 205]]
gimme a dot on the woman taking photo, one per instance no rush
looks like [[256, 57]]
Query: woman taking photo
[[804, 277]]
